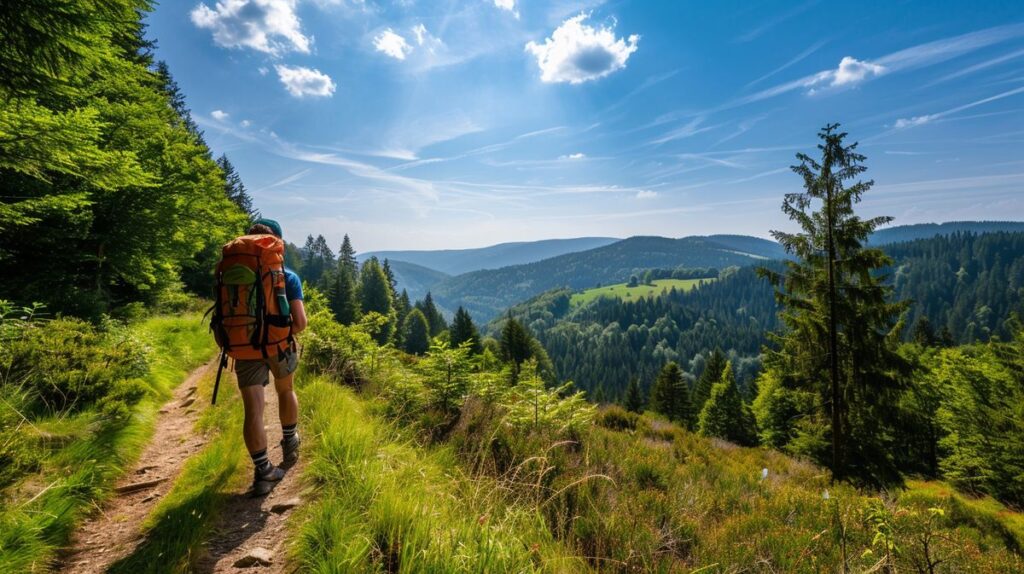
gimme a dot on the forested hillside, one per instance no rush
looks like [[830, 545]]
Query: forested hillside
[[901, 233], [458, 261], [964, 287], [110, 195], [487, 293]]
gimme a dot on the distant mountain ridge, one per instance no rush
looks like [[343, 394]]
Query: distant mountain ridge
[[486, 293], [458, 261], [901, 233], [415, 279]]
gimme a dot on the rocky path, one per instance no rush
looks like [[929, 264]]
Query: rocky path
[[249, 535], [115, 530]]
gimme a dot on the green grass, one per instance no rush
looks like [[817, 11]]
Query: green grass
[[384, 504], [182, 520], [85, 457], [624, 291]]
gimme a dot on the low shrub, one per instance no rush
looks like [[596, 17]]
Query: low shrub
[[617, 418]]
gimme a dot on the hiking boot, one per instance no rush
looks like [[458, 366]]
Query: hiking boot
[[290, 448], [263, 482]]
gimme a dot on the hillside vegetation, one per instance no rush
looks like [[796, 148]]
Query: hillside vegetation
[[964, 287], [409, 481], [486, 293], [625, 291]]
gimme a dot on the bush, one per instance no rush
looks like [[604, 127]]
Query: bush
[[617, 418], [67, 364]]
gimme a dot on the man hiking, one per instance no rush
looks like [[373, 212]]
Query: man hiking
[[258, 311]]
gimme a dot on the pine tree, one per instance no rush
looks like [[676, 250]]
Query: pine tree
[[841, 322], [390, 275], [402, 309], [416, 333], [923, 334], [347, 258], [374, 290], [464, 331], [670, 395], [434, 317], [344, 297], [515, 345], [234, 189], [712, 373], [725, 415], [634, 401]]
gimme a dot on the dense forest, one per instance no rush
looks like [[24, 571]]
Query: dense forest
[[964, 287], [110, 195]]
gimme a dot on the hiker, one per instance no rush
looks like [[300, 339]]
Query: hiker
[[258, 312]]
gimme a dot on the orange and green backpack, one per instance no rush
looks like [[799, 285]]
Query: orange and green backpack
[[251, 316]]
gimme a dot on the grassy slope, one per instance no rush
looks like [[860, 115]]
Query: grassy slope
[[384, 504], [39, 514], [654, 498], [624, 291]]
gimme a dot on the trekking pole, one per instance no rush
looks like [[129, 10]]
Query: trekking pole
[[220, 369]]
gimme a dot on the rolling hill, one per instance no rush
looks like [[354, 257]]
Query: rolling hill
[[415, 279], [458, 261], [901, 233], [486, 293]]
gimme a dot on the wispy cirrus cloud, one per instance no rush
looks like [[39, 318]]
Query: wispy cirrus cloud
[[915, 121], [775, 21]]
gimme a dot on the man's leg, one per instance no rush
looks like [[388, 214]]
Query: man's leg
[[287, 404], [252, 379], [252, 430]]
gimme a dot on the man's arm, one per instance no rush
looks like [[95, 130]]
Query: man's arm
[[298, 316]]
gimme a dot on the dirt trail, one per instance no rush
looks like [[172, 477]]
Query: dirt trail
[[249, 535], [114, 532]]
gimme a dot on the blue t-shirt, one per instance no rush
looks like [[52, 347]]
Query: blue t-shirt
[[292, 285]]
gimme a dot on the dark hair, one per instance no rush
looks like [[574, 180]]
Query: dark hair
[[260, 229]]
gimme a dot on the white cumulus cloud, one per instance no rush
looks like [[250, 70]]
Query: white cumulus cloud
[[646, 194], [219, 115], [301, 82], [851, 71], [270, 26], [509, 5], [912, 122], [576, 52], [392, 44]]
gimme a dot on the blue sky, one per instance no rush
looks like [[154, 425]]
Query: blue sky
[[422, 124]]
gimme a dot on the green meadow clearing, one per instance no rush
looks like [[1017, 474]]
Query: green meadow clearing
[[624, 291]]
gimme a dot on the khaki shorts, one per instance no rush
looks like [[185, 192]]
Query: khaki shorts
[[255, 372]]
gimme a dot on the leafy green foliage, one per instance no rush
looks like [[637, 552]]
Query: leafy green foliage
[[982, 415], [447, 375]]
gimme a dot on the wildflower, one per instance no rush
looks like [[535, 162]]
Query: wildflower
[[764, 473], [824, 495]]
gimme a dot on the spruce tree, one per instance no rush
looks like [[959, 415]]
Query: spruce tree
[[344, 297], [839, 317], [464, 331], [670, 395], [634, 400], [415, 333], [712, 373], [434, 317], [234, 189], [390, 275], [374, 289], [725, 415], [402, 309], [515, 345], [347, 258]]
